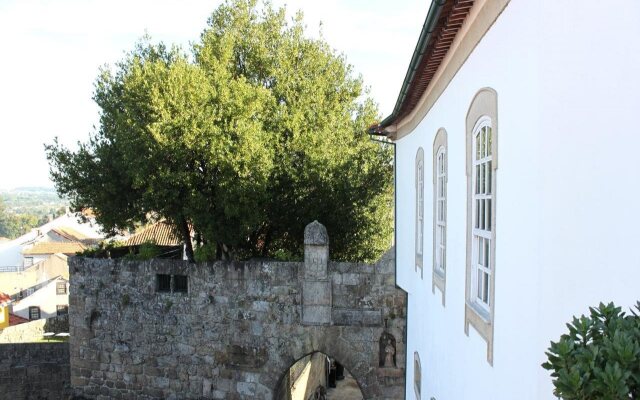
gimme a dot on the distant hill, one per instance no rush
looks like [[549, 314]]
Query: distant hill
[[33, 189], [39, 201]]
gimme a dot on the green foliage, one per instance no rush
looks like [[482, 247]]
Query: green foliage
[[42, 202], [104, 249], [147, 251], [599, 358], [206, 252], [14, 225], [258, 132]]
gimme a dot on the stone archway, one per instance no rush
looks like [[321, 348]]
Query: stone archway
[[318, 376], [237, 329]]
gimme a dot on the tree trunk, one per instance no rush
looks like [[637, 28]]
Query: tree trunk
[[186, 236]]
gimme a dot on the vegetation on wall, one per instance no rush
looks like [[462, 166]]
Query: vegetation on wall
[[600, 356], [256, 132]]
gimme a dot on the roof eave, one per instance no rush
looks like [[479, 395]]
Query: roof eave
[[418, 53]]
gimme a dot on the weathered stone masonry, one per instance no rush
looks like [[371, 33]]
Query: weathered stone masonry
[[34, 371], [237, 329]]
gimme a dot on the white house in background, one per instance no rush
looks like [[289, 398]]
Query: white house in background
[[49, 300], [20, 281], [64, 229], [517, 184]]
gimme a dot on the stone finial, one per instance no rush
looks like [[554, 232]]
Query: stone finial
[[316, 234]]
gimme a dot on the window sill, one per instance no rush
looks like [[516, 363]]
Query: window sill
[[481, 321], [439, 281]]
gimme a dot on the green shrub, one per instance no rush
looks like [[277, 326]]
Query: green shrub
[[599, 358], [206, 252], [148, 250], [102, 250]]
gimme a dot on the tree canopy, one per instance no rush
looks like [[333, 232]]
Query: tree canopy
[[14, 225], [257, 131]]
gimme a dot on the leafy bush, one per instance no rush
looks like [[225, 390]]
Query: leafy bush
[[206, 252], [600, 356], [104, 249], [147, 251]]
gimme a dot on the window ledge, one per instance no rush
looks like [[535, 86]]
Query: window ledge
[[481, 321], [439, 280]]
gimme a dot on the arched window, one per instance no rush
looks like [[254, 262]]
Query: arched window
[[482, 163], [419, 209], [482, 204], [440, 212]]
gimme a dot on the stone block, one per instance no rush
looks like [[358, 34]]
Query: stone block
[[315, 262], [316, 293], [347, 317], [246, 389], [372, 318], [316, 315]]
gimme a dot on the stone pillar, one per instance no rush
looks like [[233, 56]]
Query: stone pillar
[[316, 285]]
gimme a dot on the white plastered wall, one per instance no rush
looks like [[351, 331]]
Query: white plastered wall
[[568, 184], [454, 366], [591, 164], [46, 298]]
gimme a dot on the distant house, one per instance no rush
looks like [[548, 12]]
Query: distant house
[[42, 251], [23, 252], [5, 302], [49, 299], [7, 318], [43, 271], [161, 234]]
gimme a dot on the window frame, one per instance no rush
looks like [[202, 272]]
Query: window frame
[[439, 275], [163, 283], [63, 285], [481, 194], [62, 309], [31, 312], [419, 211], [483, 112], [180, 283]]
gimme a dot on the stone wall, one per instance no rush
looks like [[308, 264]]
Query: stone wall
[[34, 371], [236, 330]]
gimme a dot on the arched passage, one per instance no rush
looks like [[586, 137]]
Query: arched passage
[[317, 376]]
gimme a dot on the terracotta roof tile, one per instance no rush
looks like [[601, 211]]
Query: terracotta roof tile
[[160, 233], [70, 233], [5, 299], [54, 247], [16, 320]]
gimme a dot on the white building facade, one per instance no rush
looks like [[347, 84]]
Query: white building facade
[[517, 185], [50, 300]]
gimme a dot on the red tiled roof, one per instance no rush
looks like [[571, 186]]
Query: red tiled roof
[[5, 299], [16, 320], [427, 58], [70, 233], [160, 233], [54, 247]]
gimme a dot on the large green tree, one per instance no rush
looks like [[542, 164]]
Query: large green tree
[[255, 133]]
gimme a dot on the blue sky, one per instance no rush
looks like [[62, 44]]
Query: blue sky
[[51, 51]]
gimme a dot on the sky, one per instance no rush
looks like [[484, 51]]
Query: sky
[[51, 51]]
